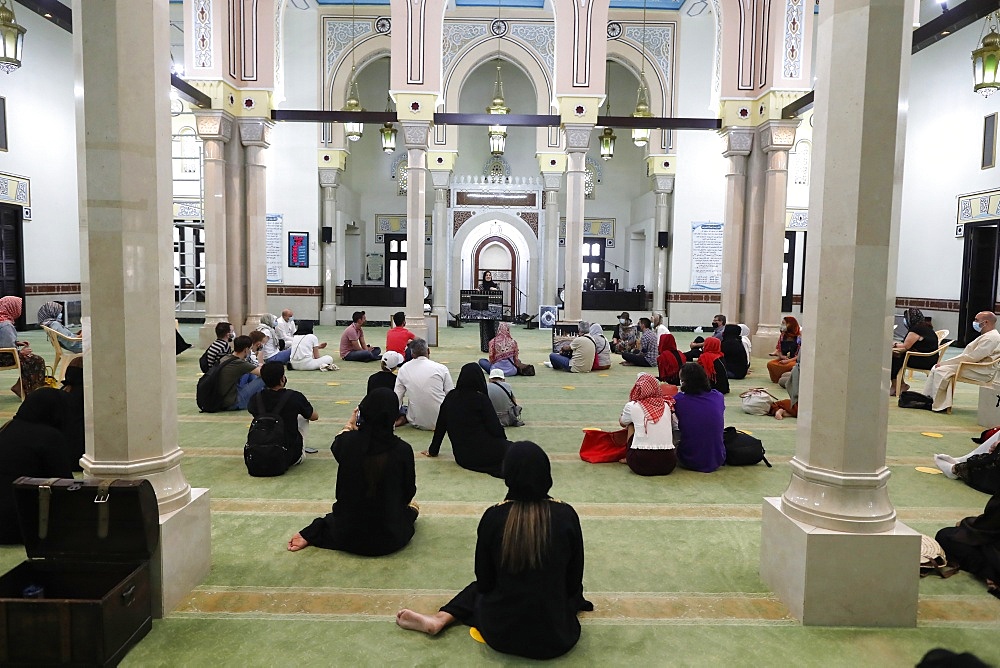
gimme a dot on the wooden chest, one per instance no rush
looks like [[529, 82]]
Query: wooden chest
[[83, 597]]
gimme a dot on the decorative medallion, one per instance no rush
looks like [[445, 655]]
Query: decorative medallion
[[744, 112], [440, 160], [415, 107], [380, 238], [498, 28], [666, 163], [760, 110], [614, 30], [383, 25], [580, 110], [326, 158], [552, 163], [248, 103], [232, 100]]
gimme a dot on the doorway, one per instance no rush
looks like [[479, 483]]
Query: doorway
[[11, 255], [979, 275], [793, 270], [499, 257]]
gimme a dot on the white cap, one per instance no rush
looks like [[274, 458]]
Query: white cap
[[392, 359], [497, 373]]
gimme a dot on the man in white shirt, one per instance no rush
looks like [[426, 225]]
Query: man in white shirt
[[425, 383], [986, 347], [285, 327]]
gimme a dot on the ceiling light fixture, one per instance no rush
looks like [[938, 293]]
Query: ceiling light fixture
[[388, 132], [986, 59], [11, 39], [640, 136], [498, 133], [353, 129], [608, 136]]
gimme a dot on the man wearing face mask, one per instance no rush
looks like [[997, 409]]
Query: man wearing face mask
[[985, 347], [625, 336], [221, 347], [719, 324]]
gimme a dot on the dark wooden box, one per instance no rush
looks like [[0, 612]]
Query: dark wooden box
[[89, 543]]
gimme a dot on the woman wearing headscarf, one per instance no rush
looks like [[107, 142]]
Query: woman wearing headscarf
[[270, 351], [32, 365], [478, 440], [747, 344], [602, 354], [712, 362], [920, 338], [669, 359], [975, 545], [49, 316], [306, 350], [651, 450], [787, 349], [700, 412], [31, 444], [503, 352], [373, 514], [529, 568], [73, 421], [734, 355]]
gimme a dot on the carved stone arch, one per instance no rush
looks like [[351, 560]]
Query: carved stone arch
[[336, 86], [515, 53]]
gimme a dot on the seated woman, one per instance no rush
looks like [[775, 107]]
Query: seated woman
[[373, 514], [669, 360], [734, 354], [651, 450], [920, 338], [32, 365], [48, 316], [306, 355], [789, 407], [271, 351], [503, 352], [74, 427], [31, 444], [602, 356], [699, 411], [977, 469], [787, 349], [711, 361], [529, 568], [975, 545], [467, 416], [747, 344], [625, 336]]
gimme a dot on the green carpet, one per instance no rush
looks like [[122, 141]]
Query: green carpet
[[671, 563]]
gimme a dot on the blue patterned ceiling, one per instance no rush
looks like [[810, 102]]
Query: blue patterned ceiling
[[671, 5]]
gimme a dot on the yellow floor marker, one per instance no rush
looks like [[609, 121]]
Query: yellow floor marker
[[931, 434], [333, 384], [568, 387], [476, 635], [342, 401], [928, 469], [603, 375]]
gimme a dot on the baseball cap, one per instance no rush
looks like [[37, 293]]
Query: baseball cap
[[497, 373], [985, 436], [391, 359]]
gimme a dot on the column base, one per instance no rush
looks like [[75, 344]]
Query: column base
[[184, 556], [206, 334], [328, 315], [763, 340], [827, 578]]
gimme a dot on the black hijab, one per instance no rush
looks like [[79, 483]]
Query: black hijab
[[527, 472], [378, 412], [731, 332], [471, 379], [45, 406]]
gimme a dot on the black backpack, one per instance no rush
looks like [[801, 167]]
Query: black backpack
[[265, 453], [742, 449], [910, 399], [207, 395]]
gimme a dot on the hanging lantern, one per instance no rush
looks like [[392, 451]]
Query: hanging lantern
[[608, 143], [640, 136], [353, 129], [11, 39], [986, 60], [498, 133], [388, 133]]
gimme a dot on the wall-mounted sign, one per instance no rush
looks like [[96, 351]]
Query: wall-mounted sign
[[298, 249]]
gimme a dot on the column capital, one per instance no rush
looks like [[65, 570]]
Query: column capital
[[777, 135], [442, 161], [578, 109], [214, 124], [577, 136], [739, 141], [551, 163], [329, 178], [255, 131], [663, 183], [440, 179], [332, 159], [552, 181], [415, 133], [658, 165]]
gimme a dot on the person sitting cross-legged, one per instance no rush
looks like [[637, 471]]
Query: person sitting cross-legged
[[353, 347], [296, 414], [224, 334], [502, 397], [645, 352], [239, 380], [503, 352], [424, 383], [307, 350]]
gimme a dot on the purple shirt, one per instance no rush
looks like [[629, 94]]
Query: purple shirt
[[699, 417]]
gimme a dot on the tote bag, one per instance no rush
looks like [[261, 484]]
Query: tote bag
[[601, 447]]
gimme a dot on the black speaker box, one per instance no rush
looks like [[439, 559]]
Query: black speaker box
[[327, 234], [663, 239]]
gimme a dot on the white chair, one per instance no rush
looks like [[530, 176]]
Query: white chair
[[62, 357], [15, 365], [906, 368], [976, 373], [942, 334]]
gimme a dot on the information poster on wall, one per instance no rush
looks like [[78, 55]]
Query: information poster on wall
[[706, 256], [274, 229]]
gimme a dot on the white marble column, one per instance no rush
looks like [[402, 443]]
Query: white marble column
[[832, 547], [442, 235], [577, 143], [415, 135], [775, 138], [663, 188], [329, 182], [548, 255], [753, 234], [126, 255], [255, 135], [236, 242], [215, 129], [739, 141]]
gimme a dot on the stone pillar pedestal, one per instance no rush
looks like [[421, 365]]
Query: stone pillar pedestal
[[126, 267], [833, 548], [577, 143], [415, 134], [255, 135], [215, 129], [329, 181], [739, 142]]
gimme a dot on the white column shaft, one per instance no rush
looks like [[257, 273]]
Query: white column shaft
[[576, 171]]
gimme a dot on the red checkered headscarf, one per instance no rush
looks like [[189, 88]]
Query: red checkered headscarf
[[10, 308], [646, 393]]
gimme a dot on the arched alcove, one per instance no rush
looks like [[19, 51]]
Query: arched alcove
[[473, 233]]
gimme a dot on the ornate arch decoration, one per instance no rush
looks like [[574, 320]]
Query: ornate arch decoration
[[463, 238]]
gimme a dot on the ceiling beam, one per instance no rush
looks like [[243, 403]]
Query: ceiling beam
[[52, 10]]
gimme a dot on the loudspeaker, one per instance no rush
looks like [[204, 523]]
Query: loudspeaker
[[327, 234], [663, 239]]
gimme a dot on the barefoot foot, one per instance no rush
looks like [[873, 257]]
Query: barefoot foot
[[780, 414], [414, 621], [297, 543]]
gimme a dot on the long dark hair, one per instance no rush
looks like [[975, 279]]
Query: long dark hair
[[528, 475], [694, 379]]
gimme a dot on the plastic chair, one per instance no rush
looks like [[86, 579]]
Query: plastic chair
[[989, 369], [62, 357], [942, 334], [912, 353], [16, 365]]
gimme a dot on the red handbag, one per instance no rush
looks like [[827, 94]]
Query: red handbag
[[601, 447]]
